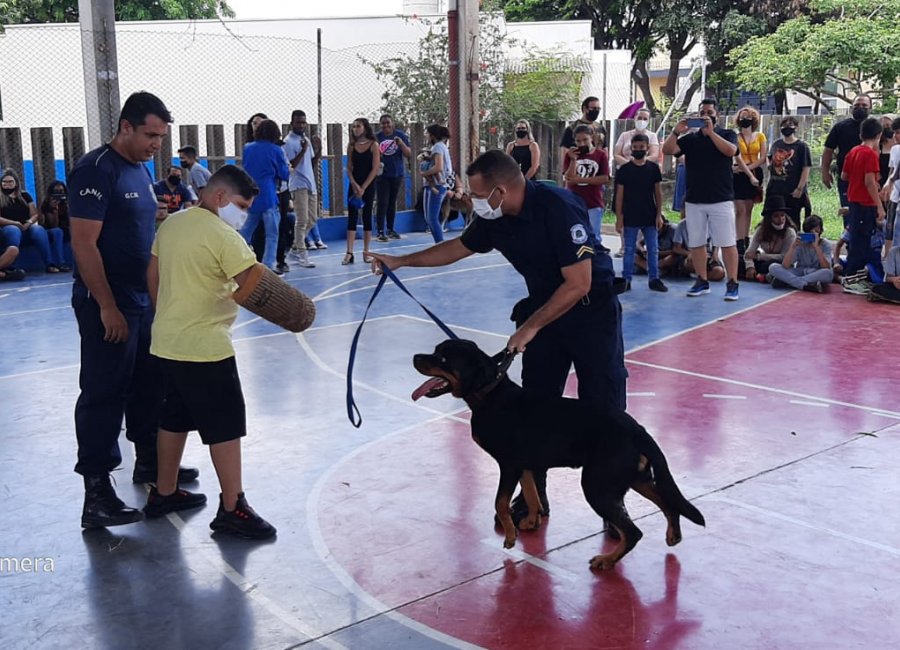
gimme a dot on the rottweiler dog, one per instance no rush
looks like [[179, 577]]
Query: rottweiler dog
[[524, 431]]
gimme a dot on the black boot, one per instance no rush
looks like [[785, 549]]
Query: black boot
[[102, 507], [518, 506], [145, 467]]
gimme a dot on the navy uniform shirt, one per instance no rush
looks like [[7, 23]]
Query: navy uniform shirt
[[105, 187], [551, 232]]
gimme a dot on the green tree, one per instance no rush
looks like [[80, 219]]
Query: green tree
[[541, 86], [840, 49], [66, 11]]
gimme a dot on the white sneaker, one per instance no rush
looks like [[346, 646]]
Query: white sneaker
[[303, 260]]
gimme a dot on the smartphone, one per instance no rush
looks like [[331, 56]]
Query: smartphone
[[696, 122], [807, 237]]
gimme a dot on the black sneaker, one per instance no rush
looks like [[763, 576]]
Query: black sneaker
[[815, 287], [159, 505], [518, 509], [242, 521], [382, 237], [657, 285], [146, 473], [393, 235], [780, 284], [282, 267]]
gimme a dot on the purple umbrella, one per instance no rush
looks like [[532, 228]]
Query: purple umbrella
[[631, 110]]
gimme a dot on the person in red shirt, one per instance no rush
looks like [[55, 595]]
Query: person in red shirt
[[861, 171], [587, 173]]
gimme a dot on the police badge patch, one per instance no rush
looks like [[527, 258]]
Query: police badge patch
[[579, 234]]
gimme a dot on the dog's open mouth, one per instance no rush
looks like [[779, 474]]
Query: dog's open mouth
[[433, 387]]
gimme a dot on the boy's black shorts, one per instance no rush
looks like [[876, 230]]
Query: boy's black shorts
[[204, 397]]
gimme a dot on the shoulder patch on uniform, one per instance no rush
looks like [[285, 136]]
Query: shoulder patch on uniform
[[579, 234]]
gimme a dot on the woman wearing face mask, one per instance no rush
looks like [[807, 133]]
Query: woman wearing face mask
[[748, 172], [772, 238], [622, 150], [587, 173], [525, 150], [790, 162], [19, 220], [439, 171]]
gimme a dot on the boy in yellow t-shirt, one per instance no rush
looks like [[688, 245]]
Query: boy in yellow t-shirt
[[197, 261]]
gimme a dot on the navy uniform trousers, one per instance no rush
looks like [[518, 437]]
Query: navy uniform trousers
[[117, 380]]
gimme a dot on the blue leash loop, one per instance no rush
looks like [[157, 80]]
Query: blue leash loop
[[352, 410]]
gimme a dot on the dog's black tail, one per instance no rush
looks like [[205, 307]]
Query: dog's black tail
[[665, 483]]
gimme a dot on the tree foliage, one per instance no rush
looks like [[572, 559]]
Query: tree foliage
[[539, 87], [66, 11], [843, 47], [650, 27]]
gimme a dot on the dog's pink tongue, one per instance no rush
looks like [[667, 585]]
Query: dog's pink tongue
[[427, 386]]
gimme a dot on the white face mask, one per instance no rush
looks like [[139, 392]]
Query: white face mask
[[233, 215], [483, 209], [779, 226], [641, 125]]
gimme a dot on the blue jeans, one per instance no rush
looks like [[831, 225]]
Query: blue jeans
[[651, 239], [48, 242], [270, 219], [431, 205], [862, 225], [595, 216]]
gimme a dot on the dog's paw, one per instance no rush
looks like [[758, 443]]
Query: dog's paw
[[603, 562], [510, 540], [531, 522]]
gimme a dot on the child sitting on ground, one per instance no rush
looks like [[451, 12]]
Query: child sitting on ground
[[889, 290], [806, 265], [197, 258], [715, 271]]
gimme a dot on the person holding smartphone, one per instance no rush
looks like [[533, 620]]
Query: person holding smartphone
[[587, 172], [709, 204], [807, 264]]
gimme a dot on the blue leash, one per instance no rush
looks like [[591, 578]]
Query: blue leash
[[352, 410]]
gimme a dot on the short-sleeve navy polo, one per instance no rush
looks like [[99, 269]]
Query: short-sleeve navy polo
[[103, 186], [550, 233]]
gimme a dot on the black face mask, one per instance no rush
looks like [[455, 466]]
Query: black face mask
[[521, 133], [745, 123], [860, 113], [174, 180], [787, 131], [59, 196], [887, 134], [593, 114], [638, 155], [8, 190]]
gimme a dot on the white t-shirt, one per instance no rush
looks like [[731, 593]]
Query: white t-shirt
[[625, 140], [894, 162]]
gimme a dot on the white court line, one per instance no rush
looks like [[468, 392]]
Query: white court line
[[769, 389], [497, 544], [252, 591], [38, 372], [798, 522], [640, 394], [805, 403], [32, 311], [718, 396], [322, 296], [704, 324], [327, 557], [893, 416], [316, 359]]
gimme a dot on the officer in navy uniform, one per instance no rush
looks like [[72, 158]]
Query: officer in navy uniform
[[572, 314], [112, 207]]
